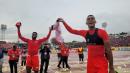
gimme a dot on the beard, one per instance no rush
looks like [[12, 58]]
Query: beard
[[91, 27], [34, 38]]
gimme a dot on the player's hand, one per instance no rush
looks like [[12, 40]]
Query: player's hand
[[60, 20], [51, 28], [18, 24]]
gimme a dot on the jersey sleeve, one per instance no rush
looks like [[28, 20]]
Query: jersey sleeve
[[9, 52], [74, 31], [45, 38], [18, 52], [21, 37], [103, 34]]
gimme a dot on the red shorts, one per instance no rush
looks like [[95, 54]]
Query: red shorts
[[97, 66], [33, 62]]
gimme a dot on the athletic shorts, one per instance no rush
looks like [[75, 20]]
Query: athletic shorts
[[33, 62], [97, 66]]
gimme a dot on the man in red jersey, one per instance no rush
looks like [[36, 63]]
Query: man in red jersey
[[64, 49], [98, 44], [32, 61], [64, 56], [13, 54]]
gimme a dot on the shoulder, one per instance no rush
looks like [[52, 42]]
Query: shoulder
[[9, 50], [103, 34], [84, 30], [29, 40], [101, 31]]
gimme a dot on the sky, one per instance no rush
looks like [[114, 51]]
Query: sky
[[39, 15]]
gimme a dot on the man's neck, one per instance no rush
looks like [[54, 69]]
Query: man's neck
[[34, 39], [92, 28]]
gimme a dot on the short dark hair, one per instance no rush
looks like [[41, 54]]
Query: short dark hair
[[14, 46], [90, 15], [35, 32]]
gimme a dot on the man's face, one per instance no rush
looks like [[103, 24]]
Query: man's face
[[90, 21], [14, 47], [34, 35]]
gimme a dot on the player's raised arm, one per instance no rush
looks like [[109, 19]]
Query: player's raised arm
[[70, 29], [18, 25], [48, 36]]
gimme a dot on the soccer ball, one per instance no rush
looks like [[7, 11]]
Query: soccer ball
[[18, 24]]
